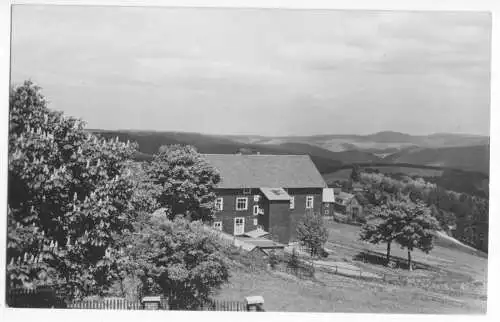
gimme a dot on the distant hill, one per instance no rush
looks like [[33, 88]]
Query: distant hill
[[150, 142], [470, 158], [331, 152], [381, 142]]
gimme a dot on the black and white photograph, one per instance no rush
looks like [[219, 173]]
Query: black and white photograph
[[248, 159]]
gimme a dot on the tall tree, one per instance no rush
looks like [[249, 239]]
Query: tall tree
[[416, 229], [187, 182], [387, 226], [69, 197], [312, 233]]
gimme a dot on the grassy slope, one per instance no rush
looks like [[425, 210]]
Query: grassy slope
[[452, 282]]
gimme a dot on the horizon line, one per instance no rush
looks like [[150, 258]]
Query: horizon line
[[291, 135]]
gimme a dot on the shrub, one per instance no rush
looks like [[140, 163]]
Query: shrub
[[178, 259], [273, 259], [312, 232]]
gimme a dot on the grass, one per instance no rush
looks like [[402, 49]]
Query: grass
[[447, 280]]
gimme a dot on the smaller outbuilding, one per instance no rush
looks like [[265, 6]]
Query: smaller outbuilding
[[347, 204]]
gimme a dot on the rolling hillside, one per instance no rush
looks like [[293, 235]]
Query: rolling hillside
[[469, 158], [380, 142], [150, 142], [331, 152]]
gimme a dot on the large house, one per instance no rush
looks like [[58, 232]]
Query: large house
[[266, 193]]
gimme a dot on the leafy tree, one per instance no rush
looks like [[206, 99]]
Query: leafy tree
[[177, 259], [355, 173], [388, 225], [416, 229], [187, 182], [312, 233], [70, 196]]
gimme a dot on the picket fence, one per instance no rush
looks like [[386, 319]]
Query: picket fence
[[122, 304], [46, 297]]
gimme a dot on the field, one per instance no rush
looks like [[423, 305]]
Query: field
[[445, 281]]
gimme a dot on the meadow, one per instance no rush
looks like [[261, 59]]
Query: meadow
[[448, 280]]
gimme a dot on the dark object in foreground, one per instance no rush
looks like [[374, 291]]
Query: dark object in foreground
[[40, 297]]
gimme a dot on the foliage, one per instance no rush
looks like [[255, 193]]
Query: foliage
[[312, 233], [401, 220], [388, 225], [355, 173], [176, 258], [444, 218], [273, 259], [293, 261], [449, 207], [417, 227], [187, 182], [70, 195]]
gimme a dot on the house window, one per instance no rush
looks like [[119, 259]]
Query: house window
[[242, 203], [247, 191], [256, 198], [255, 222], [239, 226], [219, 204], [292, 202], [309, 202], [256, 210], [218, 225]]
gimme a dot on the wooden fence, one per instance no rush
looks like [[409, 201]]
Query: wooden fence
[[122, 304], [46, 297], [106, 304]]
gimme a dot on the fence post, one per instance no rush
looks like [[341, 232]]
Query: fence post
[[254, 303]]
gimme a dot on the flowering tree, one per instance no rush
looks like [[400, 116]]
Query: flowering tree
[[70, 195], [187, 182]]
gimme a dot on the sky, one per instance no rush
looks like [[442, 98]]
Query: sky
[[258, 71]]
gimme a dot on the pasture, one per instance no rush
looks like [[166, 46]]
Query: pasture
[[448, 280]]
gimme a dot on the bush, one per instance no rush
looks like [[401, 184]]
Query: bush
[[177, 259], [293, 261], [312, 233], [273, 259]]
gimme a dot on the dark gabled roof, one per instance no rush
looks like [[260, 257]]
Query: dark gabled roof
[[258, 170]]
